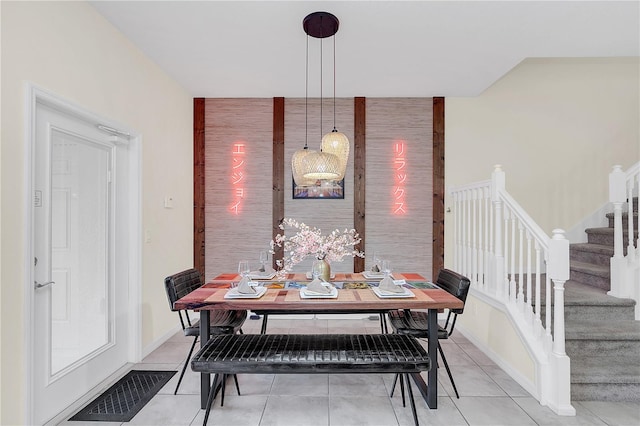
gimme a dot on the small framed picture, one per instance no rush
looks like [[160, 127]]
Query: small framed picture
[[322, 189]]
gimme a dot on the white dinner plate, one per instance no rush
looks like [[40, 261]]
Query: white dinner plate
[[387, 294], [233, 293]]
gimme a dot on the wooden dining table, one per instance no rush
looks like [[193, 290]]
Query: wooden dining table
[[284, 296]]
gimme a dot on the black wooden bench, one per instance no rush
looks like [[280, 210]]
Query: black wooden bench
[[310, 353]]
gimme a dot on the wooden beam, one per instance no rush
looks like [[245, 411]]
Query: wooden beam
[[359, 177], [198, 185], [278, 172], [438, 185]]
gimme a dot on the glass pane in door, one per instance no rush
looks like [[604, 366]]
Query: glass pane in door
[[80, 220]]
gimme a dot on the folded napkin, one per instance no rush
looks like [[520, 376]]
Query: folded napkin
[[317, 286], [244, 287], [387, 284]]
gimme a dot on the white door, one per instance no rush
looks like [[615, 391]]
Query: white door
[[80, 290]]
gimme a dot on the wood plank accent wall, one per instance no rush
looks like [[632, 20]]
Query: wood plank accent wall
[[404, 239], [273, 129], [232, 237], [359, 175], [278, 172], [438, 185], [198, 185]]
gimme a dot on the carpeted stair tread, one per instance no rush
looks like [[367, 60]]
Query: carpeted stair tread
[[597, 329], [589, 298], [597, 369], [593, 253], [578, 293], [593, 248], [601, 230], [607, 232], [587, 268]]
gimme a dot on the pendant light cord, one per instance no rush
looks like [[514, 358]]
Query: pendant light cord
[[321, 39], [334, 82], [306, 95]]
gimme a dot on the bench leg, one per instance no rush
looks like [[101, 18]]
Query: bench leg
[[212, 393], [413, 403]]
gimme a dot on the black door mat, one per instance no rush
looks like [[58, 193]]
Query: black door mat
[[124, 399]]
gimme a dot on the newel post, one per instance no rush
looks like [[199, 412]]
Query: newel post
[[558, 270], [498, 185], [617, 196]]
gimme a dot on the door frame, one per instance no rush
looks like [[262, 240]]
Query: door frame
[[33, 95]]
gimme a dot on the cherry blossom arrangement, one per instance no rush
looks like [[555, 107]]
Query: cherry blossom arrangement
[[308, 241]]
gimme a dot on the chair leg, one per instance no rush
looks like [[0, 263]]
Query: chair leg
[[212, 392], [404, 404], [446, 366], [393, 388], [224, 387], [184, 367], [413, 403], [235, 379]]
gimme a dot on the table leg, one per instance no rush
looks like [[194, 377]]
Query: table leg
[[432, 378], [205, 378], [263, 329], [429, 390]]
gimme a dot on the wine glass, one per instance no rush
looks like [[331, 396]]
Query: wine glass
[[386, 267], [243, 268], [264, 258], [376, 262]]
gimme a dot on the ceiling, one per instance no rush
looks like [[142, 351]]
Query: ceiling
[[383, 48]]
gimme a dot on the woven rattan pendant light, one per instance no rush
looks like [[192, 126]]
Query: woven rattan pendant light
[[298, 166], [336, 142], [311, 166]]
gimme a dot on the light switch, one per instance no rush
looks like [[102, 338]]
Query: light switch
[[168, 202]]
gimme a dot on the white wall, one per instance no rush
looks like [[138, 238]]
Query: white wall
[[68, 49], [557, 126]]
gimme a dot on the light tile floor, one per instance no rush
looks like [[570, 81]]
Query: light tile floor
[[488, 396]]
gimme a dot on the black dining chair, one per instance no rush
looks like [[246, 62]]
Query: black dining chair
[[222, 322], [415, 323]]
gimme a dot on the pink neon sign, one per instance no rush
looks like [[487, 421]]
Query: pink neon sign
[[400, 178], [237, 177]]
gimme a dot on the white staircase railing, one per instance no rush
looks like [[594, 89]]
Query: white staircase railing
[[509, 259], [625, 269]]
